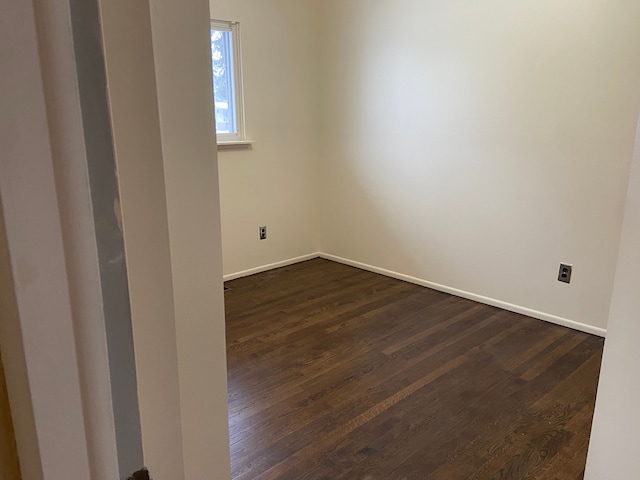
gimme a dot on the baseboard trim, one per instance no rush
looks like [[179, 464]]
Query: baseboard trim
[[271, 266], [547, 317], [565, 322]]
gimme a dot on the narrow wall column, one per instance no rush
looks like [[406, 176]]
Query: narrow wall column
[[126, 27], [613, 451], [181, 42]]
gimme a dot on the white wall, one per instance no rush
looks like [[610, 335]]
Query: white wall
[[136, 133], [182, 56], [613, 451], [275, 183], [162, 124], [479, 144], [38, 305], [73, 142]]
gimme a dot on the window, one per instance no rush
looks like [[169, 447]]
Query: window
[[227, 82]]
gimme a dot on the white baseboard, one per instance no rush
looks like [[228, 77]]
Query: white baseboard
[[547, 317], [271, 266], [565, 322]]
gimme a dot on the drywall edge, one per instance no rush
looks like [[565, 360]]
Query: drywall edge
[[271, 266]]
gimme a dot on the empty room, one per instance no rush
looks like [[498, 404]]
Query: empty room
[[421, 209], [320, 239]]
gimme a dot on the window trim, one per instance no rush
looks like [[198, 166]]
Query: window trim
[[238, 138]]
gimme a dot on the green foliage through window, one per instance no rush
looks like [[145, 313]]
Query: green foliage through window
[[222, 59]]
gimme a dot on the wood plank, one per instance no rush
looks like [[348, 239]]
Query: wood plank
[[9, 464], [337, 373]]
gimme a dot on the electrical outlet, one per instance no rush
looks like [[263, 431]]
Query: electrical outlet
[[263, 233], [564, 274]]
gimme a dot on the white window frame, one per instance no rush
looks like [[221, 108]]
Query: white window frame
[[238, 138]]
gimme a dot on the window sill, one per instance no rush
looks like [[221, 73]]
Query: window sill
[[235, 144]]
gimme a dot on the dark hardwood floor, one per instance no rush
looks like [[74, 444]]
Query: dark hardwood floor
[[337, 373]]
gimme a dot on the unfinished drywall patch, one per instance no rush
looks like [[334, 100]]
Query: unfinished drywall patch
[[135, 120], [104, 194]]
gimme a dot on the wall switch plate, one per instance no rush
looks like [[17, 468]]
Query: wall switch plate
[[263, 233], [564, 274]]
